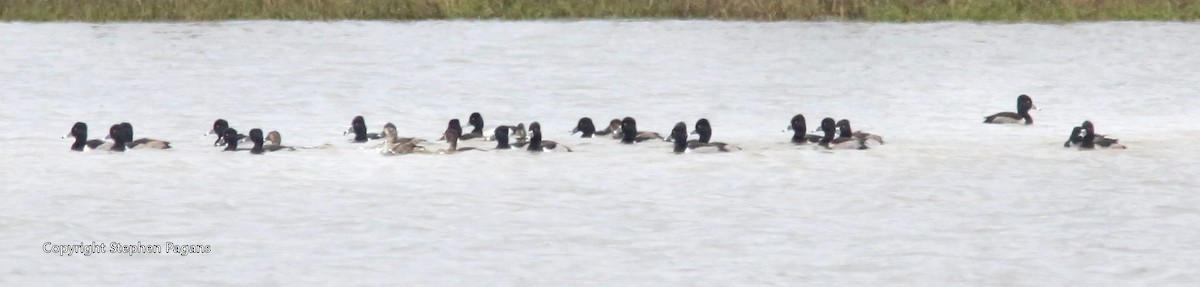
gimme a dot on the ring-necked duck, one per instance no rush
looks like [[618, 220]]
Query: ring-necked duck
[[630, 134], [142, 143], [475, 121], [536, 144], [798, 128], [830, 141], [704, 130], [584, 126], [358, 126], [80, 132], [1024, 104]]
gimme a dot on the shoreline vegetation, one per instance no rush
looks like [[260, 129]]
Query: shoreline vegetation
[[758, 10]]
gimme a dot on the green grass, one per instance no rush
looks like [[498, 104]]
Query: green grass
[[763, 10]]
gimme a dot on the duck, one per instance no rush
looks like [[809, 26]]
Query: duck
[[142, 143], [391, 135], [395, 145], [630, 134], [519, 132], [536, 144], [219, 127], [451, 135], [704, 130], [1091, 140], [275, 142], [358, 126], [501, 137], [231, 145], [1075, 139], [454, 124], [679, 139], [118, 135], [845, 131], [830, 141], [584, 126], [798, 128], [1024, 104], [475, 121], [613, 126], [79, 131]]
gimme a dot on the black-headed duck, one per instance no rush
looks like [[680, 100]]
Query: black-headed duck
[[1024, 104]]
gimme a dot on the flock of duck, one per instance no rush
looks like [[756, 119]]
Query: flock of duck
[[833, 135]]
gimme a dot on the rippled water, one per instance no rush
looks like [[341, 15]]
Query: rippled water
[[948, 201]]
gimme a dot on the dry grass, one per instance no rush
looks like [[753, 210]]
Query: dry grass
[[766, 10]]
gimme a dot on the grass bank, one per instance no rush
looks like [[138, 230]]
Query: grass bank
[[767, 10]]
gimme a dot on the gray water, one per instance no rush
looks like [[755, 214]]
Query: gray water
[[947, 201]]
